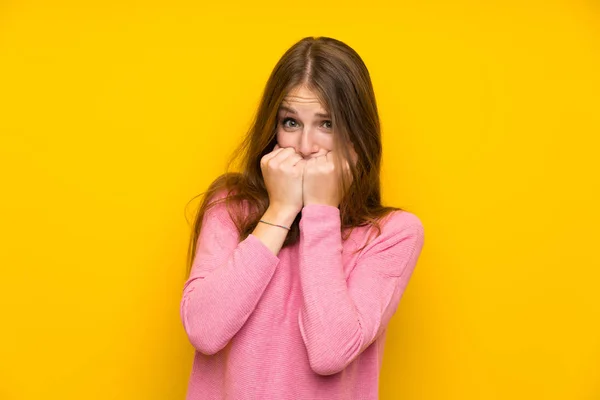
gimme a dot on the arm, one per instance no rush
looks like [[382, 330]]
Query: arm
[[339, 319], [227, 278]]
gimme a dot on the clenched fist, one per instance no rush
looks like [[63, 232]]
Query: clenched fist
[[321, 183], [283, 170]]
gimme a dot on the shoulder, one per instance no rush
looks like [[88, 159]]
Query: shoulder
[[227, 205], [401, 220], [399, 227], [217, 213], [223, 187], [395, 251]]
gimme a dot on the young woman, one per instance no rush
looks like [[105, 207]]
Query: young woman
[[296, 267]]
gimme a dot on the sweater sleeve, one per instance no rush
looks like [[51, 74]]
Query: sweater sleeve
[[226, 281], [340, 318]]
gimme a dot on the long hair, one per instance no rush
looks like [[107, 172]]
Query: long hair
[[339, 77]]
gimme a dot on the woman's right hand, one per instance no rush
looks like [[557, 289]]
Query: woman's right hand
[[283, 170]]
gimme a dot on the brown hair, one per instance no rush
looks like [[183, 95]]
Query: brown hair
[[340, 78]]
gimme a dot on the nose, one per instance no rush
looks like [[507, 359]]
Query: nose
[[307, 146]]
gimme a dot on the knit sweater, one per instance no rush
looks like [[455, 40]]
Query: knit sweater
[[309, 323]]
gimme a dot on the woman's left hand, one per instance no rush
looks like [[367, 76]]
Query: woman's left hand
[[321, 180]]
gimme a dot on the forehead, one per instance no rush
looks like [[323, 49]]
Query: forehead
[[303, 99]]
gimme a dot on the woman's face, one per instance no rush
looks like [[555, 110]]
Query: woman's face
[[304, 124]]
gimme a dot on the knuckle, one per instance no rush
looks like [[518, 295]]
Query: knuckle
[[271, 164]]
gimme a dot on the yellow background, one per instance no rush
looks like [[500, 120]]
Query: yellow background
[[114, 114]]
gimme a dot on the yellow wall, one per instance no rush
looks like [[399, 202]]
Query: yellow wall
[[113, 115]]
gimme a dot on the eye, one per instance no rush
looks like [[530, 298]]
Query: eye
[[327, 124], [286, 120]]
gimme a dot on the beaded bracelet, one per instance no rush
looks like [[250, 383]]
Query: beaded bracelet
[[281, 226]]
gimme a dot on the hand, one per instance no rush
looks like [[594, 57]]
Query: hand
[[321, 184], [282, 171]]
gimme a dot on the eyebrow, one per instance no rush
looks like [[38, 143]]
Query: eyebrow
[[292, 111]]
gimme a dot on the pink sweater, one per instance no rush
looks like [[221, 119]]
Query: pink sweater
[[309, 323]]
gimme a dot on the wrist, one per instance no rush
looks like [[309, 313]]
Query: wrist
[[320, 203], [280, 215]]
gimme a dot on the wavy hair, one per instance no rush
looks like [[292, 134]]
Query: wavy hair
[[341, 80]]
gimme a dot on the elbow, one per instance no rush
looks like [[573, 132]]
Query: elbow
[[323, 365], [205, 345], [331, 359], [205, 338], [330, 353]]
